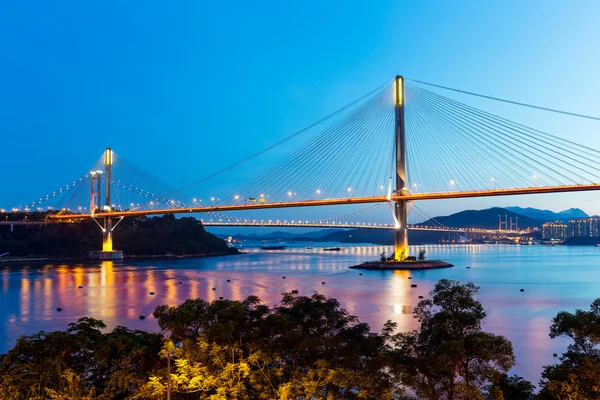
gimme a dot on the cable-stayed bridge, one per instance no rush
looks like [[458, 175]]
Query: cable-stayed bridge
[[396, 145]]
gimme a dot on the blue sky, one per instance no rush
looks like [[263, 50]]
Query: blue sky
[[182, 89]]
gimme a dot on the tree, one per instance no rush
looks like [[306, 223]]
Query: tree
[[450, 357], [510, 388], [81, 362], [305, 347], [222, 321], [577, 376], [315, 333], [382, 256]]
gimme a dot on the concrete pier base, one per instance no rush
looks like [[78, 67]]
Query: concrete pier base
[[402, 265], [106, 255]]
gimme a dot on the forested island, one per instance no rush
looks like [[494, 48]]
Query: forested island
[[142, 236]]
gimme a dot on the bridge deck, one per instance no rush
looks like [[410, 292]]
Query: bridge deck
[[341, 201]]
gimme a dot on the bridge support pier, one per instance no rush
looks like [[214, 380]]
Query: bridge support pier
[[400, 231], [401, 222], [107, 235]]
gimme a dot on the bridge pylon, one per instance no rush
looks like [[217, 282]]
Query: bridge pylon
[[107, 253], [401, 221]]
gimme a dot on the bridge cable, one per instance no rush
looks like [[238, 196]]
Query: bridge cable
[[507, 101]]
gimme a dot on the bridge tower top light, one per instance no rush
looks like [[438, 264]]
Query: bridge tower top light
[[399, 90], [108, 157]]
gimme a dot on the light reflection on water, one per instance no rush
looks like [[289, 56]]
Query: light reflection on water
[[554, 279]]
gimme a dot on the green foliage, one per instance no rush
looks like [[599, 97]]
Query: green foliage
[[577, 377], [222, 321], [510, 388], [305, 347], [167, 235], [383, 257], [81, 362], [135, 236], [450, 357]]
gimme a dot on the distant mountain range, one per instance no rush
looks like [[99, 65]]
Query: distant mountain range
[[488, 218], [485, 219], [547, 215]]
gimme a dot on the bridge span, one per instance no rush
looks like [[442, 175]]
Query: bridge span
[[350, 225], [331, 202]]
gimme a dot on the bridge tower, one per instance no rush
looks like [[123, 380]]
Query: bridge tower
[[107, 227], [401, 222]]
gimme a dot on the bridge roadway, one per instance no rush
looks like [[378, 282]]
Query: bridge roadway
[[339, 201], [350, 225], [311, 224], [17, 223]]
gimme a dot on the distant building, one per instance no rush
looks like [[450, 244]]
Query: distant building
[[584, 227], [555, 230]]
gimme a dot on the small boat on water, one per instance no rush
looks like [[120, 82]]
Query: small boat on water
[[279, 247], [332, 248]]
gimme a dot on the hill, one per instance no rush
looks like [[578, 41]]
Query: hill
[[547, 215], [486, 219], [156, 236]]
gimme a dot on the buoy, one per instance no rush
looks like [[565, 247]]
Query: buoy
[[294, 291], [413, 285], [522, 290], [322, 283], [58, 308], [151, 293], [142, 317], [79, 287]]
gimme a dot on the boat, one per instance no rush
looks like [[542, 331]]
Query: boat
[[332, 248], [278, 247]]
